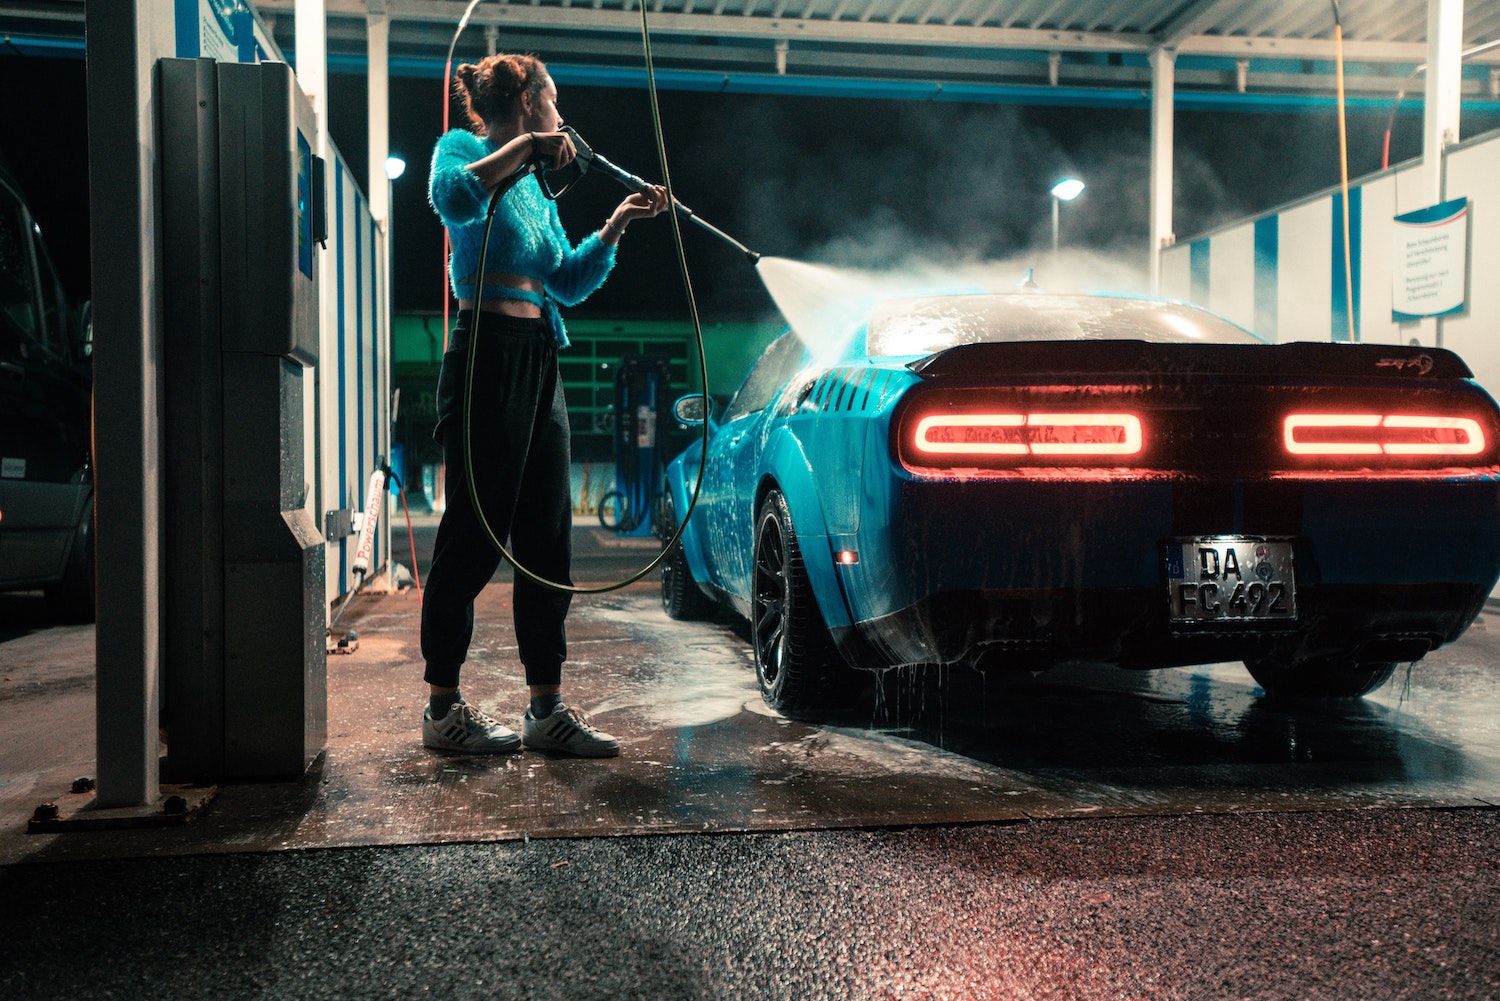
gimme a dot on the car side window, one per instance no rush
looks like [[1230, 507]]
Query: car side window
[[779, 362], [18, 309]]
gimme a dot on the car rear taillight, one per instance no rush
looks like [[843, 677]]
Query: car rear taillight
[[1080, 435], [1355, 434], [1216, 426]]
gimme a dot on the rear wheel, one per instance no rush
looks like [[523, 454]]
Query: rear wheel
[[796, 663], [681, 596], [1328, 677]]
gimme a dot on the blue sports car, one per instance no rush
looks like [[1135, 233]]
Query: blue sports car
[[1014, 480]]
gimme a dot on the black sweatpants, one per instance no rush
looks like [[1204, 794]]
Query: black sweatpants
[[520, 448]]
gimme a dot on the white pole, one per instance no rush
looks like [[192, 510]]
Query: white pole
[[378, 36], [1445, 29], [1163, 80]]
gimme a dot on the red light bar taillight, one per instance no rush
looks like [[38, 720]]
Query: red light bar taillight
[[1381, 434], [949, 436]]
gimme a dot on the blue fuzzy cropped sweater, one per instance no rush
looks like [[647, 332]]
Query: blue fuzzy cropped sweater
[[527, 237]]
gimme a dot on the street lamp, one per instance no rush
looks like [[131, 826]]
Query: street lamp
[[1063, 191], [394, 167]]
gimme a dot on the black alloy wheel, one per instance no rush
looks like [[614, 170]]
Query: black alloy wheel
[[795, 660]]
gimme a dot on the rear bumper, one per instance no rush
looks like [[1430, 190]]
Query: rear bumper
[[1130, 628], [968, 571]]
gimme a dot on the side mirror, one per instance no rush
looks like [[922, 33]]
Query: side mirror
[[694, 409]]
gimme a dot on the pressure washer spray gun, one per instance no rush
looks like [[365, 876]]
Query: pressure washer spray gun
[[589, 160]]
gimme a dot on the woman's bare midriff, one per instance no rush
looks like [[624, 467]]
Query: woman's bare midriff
[[494, 302]]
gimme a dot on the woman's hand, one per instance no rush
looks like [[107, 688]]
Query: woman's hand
[[555, 150], [552, 149], [641, 205], [637, 205]]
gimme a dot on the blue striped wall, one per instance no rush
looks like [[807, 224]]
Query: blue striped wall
[[1267, 255], [1292, 286], [1291, 298], [354, 381]]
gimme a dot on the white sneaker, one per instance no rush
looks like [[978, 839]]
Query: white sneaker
[[466, 730], [567, 731]]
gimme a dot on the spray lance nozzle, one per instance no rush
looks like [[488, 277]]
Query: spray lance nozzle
[[588, 159]]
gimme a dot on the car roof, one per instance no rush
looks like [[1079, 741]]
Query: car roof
[[922, 325]]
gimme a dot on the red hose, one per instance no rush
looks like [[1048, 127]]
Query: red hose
[[411, 540]]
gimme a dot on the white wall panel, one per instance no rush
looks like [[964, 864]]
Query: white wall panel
[[1474, 173], [1411, 194], [1231, 275], [1304, 300], [1176, 276], [353, 376], [1378, 209]]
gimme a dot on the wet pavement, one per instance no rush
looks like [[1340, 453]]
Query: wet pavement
[[701, 752], [1084, 834]]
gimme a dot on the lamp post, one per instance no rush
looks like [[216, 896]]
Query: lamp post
[[1063, 191]]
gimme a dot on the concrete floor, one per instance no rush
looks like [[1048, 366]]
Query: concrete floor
[[701, 753]]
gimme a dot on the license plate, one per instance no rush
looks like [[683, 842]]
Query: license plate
[[1230, 578]]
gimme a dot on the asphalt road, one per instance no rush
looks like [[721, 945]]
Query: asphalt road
[[1356, 905]]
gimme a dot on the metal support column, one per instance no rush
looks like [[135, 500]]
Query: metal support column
[[378, 36], [1440, 111], [124, 37], [1163, 80], [378, 40], [1445, 39]]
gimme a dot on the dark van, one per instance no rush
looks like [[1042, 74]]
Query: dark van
[[46, 471]]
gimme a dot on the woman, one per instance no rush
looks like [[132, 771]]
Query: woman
[[518, 422]]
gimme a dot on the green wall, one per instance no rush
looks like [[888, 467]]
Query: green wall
[[588, 370]]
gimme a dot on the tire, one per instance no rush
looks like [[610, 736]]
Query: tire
[[71, 599], [612, 511], [1331, 677], [681, 597], [796, 663]]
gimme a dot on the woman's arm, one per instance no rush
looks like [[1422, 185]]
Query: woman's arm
[[455, 191], [465, 172], [554, 148]]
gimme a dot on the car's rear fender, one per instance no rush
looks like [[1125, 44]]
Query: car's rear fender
[[787, 469]]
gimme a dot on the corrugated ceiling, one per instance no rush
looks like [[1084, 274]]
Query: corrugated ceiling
[[1087, 49]]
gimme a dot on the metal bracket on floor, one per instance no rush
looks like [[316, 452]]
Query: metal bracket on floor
[[345, 642], [175, 805]]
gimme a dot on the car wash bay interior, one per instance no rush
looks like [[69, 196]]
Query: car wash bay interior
[[333, 384]]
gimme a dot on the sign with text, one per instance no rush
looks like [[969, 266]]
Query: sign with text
[[1431, 262], [223, 30]]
